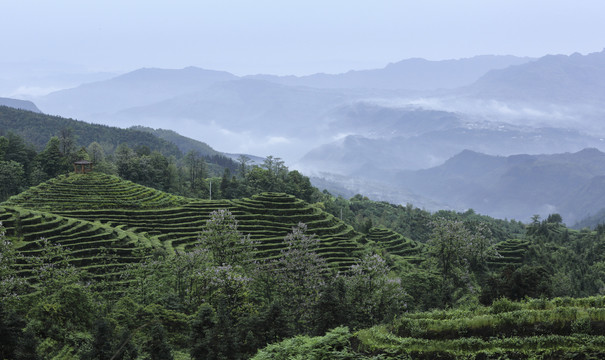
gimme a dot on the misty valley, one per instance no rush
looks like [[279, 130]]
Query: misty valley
[[448, 209]]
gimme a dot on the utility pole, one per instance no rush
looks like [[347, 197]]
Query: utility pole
[[210, 189]]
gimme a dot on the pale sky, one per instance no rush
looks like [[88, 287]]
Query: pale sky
[[291, 37]]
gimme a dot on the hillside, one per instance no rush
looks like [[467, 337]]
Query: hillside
[[369, 158], [184, 143], [169, 222], [92, 191], [557, 79], [37, 129], [103, 252], [137, 88], [86, 245], [535, 329], [516, 186], [513, 187], [19, 104]]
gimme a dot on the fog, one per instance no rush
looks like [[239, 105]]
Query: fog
[[367, 95]]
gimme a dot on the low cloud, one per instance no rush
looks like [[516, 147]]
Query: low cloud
[[29, 92]]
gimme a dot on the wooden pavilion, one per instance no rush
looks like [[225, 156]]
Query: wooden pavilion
[[82, 167]]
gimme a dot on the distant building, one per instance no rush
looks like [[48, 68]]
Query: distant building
[[82, 167]]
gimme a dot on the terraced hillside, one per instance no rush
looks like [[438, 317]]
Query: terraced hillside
[[395, 243], [96, 190], [534, 329], [101, 250], [509, 253], [174, 222], [562, 328], [267, 218]]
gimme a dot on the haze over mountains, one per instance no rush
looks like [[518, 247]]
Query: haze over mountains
[[19, 104], [412, 74], [363, 130], [234, 109]]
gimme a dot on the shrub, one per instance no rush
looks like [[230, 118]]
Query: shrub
[[503, 305]]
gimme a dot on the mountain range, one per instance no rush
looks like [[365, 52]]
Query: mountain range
[[516, 186], [410, 74], [369, 126], [286, 116], [19, 104]]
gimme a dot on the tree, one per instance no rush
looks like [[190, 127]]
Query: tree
[[82, 154], [58, 317], [11, 285], [243, 165], [268, 163], [102, 344], [51, 158], [226, 244], [299, 186], [517, 283], [374, 296], [68, 142], [3, 146], [125, 162], [554, 219], [455, 249], [201, 332], [52, 267], [11, 326], [158, 348], [12, 179], [197, 169], [299, 273], [17, 150], [96, 152], [333, 307], [226, 184]]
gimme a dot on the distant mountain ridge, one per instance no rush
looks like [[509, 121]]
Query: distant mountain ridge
[[409, 74], [19, 104], [375, 156], [137, 88], [379, 125], [38, 128], [516, 186], [552, 78]]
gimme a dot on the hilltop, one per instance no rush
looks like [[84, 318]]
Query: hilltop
[[38, 128], [19, 104], [170, 222]]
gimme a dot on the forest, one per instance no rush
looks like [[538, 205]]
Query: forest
[[144, 259]]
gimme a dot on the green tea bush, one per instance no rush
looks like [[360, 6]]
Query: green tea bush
[[503, 305]]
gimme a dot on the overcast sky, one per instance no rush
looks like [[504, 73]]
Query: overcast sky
[[291, 36]]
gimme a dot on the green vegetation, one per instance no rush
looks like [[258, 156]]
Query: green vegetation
[[562, 328], [97, 190], [95, 265], [35, 147], [37, 128], [134, 260], [395, 244]]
